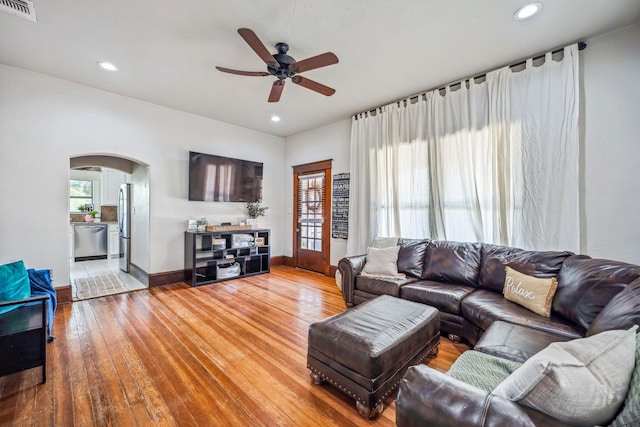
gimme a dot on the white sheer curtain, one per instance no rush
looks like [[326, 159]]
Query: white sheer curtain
[[494, 162]]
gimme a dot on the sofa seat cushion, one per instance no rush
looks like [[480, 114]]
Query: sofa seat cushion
[[382, 286], [483, 307], [482, 370], [514, 342], [444, 296]]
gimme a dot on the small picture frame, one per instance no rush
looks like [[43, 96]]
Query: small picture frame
[[259, 241]]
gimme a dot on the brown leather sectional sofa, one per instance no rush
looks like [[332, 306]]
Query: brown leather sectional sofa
[[464, 281]]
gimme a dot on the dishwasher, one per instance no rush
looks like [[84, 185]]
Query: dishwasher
[[90, 241]]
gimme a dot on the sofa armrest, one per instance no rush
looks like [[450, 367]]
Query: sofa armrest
[[349, 268], [427, 397]]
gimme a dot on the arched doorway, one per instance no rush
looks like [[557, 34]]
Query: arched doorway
[[109, 254]]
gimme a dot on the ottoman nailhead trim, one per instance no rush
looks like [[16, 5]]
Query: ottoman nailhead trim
[[389, 390]]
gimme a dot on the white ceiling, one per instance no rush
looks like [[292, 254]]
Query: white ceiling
[[166, 50]]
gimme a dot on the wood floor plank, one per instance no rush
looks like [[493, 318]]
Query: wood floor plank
[[231, 353]]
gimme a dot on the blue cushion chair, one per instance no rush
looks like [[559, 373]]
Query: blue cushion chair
[[27, 306]]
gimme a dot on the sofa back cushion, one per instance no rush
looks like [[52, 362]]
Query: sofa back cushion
[[586, 285], [541, 264], [622, 312], [411, 257], [452, 262]]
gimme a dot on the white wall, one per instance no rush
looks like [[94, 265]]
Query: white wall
[[611, 69], [140, 217], [44, 121], [610, 181], [327, 142]]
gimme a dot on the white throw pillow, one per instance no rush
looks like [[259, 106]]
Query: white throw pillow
[[384, 242], [382, 262], [579, 382]]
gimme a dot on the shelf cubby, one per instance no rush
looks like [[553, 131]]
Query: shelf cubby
[[202, 262]]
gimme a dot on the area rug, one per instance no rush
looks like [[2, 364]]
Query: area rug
[[97, 286]]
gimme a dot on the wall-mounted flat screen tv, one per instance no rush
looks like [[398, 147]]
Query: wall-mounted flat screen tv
[[223, 179]]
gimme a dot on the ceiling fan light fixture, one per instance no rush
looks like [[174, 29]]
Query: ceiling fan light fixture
[[107, 66], [275, 118], [527, 11]]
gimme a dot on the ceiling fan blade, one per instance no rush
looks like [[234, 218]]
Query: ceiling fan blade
[[313, 85], [276, 91], [314, 62], [243, 73], [258, 47]]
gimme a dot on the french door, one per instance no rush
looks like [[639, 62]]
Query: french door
[[311, 198]]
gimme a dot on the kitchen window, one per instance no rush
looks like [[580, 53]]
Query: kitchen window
[[80, 194]]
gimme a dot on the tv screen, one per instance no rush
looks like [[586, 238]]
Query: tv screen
[[223, 179]]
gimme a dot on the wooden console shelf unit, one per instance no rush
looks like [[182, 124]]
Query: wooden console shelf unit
[[206, 262]]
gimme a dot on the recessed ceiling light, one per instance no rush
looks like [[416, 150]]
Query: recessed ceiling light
[[275, 118], [107, 66], [527, 11]]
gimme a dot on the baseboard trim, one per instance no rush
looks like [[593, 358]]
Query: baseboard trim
[[140, 275], [64, 294], [332, 270], [291, 262], [166, 278], [169, 277]]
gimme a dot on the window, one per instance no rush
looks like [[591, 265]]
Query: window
[[80, 194], [310, 210]]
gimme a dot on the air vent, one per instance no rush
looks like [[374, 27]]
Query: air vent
[[22, 8]]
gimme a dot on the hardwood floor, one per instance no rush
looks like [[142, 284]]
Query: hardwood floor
[[232, 354]]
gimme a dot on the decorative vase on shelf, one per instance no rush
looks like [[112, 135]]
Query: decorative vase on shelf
[[253, 222], [202, 224]]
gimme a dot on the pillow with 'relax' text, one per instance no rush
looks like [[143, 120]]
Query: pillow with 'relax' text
[[530, 292]]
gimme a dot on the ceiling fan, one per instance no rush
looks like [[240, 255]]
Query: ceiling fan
[[282, 66]]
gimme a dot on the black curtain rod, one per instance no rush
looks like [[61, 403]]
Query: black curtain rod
[[581, 46]]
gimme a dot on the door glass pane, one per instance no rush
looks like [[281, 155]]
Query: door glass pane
[[310, 210]]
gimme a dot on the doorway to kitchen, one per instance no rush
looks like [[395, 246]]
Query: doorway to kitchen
[[108, 228]]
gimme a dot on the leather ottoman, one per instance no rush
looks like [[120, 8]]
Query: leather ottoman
[[366, 350]]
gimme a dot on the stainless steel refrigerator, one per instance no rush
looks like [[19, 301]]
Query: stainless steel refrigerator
[[124, 224]]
